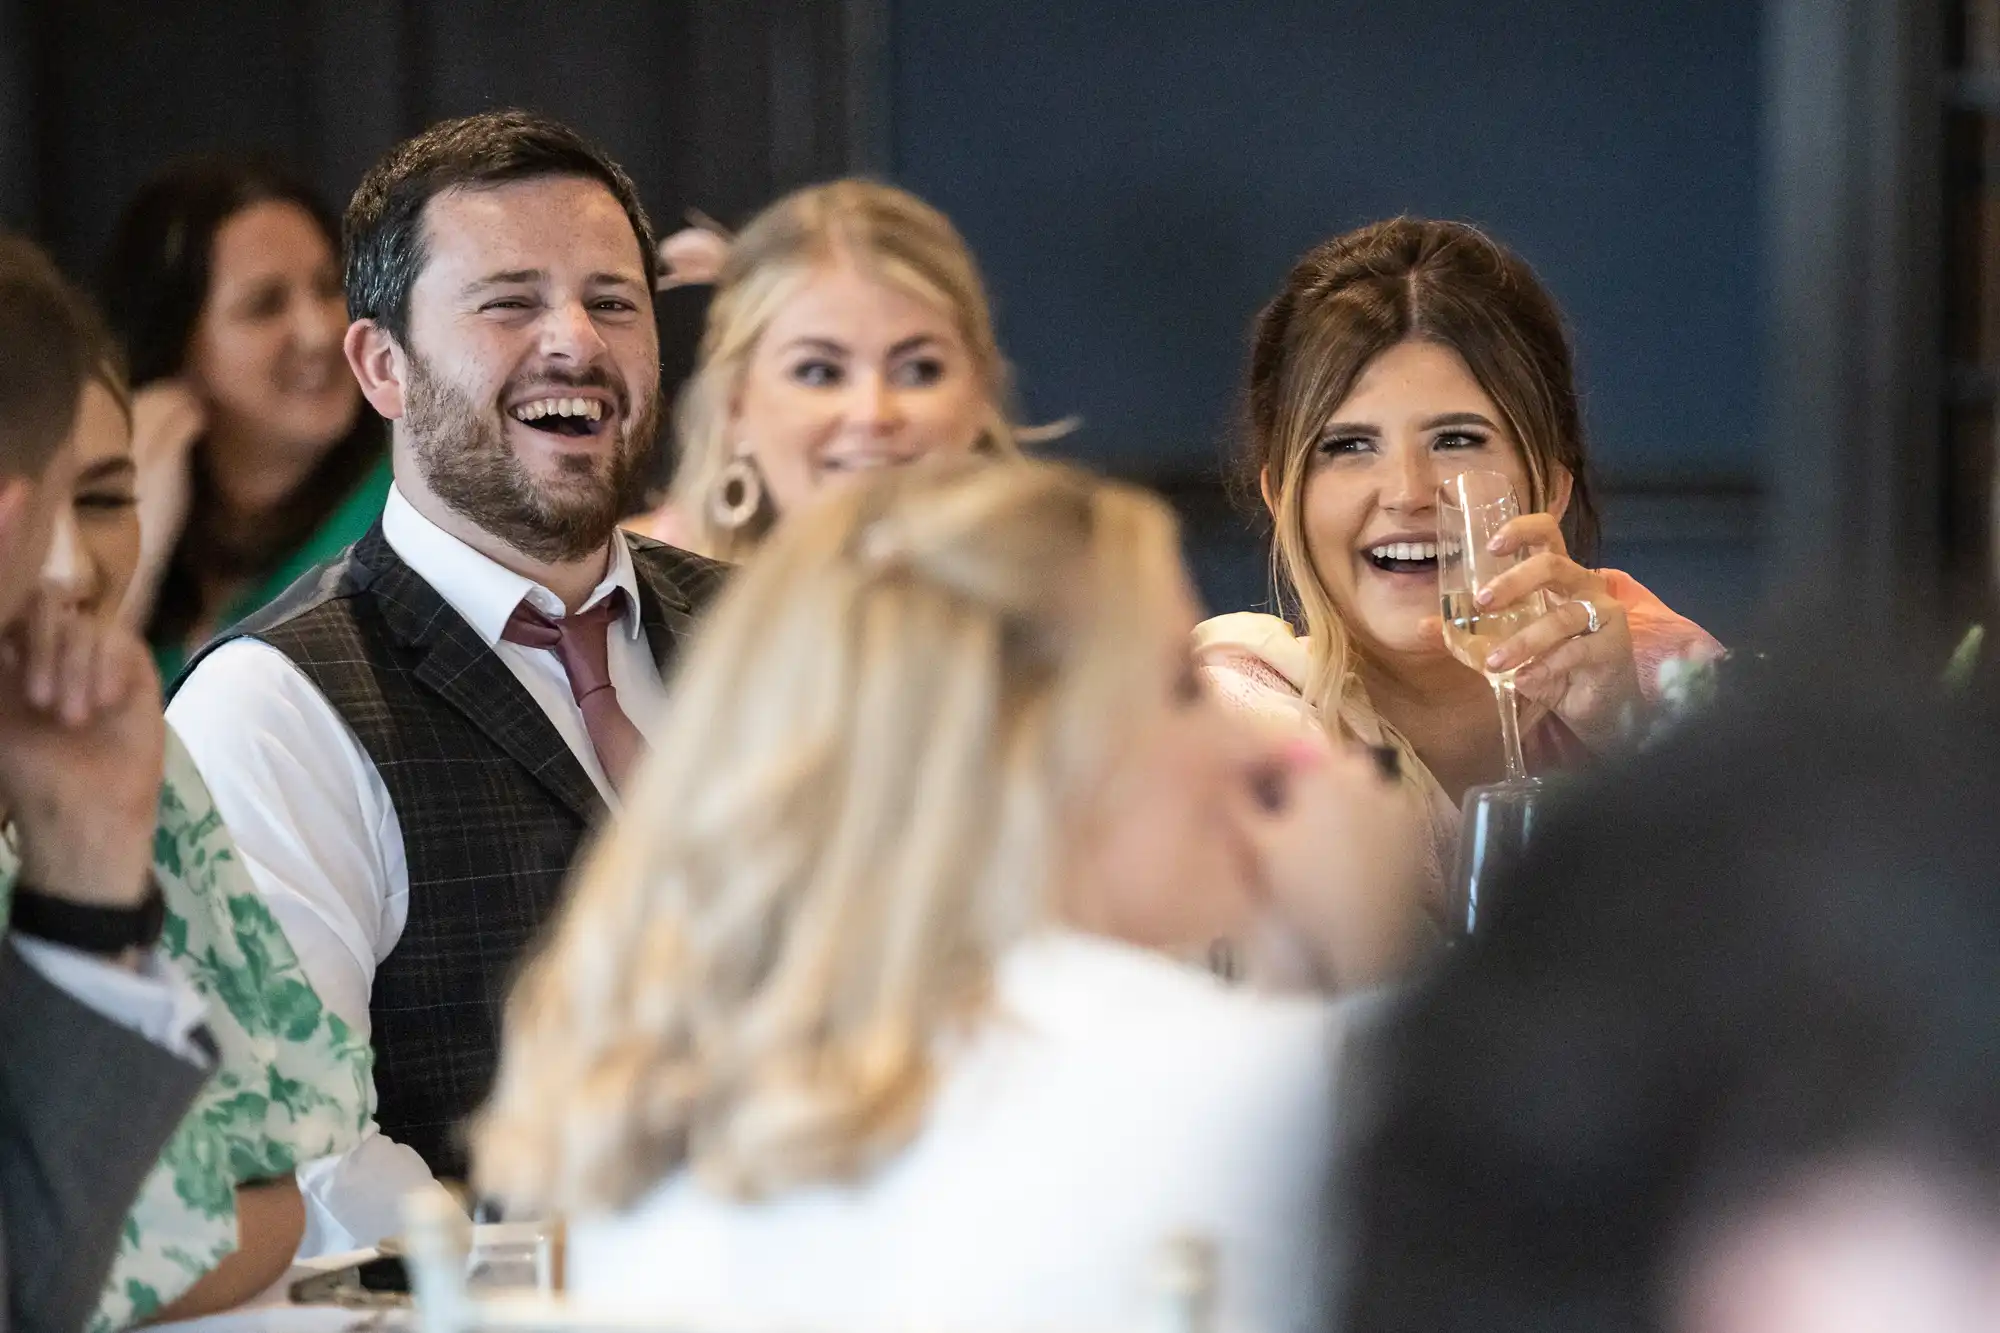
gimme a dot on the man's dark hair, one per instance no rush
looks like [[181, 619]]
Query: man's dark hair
[[49, 344], [384, 227]]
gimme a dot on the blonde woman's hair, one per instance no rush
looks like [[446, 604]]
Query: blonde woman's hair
[[891, 235], [858, 801], [1346, 302]]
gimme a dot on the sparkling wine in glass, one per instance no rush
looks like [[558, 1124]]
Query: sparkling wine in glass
[[1471, 508]]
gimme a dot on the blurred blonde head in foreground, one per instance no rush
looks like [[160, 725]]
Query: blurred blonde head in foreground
[[937, 712], [849, 330]]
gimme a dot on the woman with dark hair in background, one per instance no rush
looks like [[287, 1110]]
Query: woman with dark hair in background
[[257, 460]]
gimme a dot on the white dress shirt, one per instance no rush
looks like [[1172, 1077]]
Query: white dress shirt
[[1113, 1099], [315, 826], [153, 1001]]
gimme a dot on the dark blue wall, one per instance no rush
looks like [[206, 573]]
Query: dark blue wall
[[1137, 178]]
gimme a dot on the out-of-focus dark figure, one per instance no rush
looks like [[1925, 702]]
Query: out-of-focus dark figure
[[1726, 1062], [257, 459]]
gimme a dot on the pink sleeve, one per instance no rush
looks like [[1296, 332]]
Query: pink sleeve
[[1659, 634]]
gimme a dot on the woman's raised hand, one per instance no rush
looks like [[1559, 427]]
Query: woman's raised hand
[[1576, 661], [692, 257], [81, 746], [168, 416]]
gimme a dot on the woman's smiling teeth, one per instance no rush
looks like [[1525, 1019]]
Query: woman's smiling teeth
[[1404, 557], [864, 461], [565, 416]]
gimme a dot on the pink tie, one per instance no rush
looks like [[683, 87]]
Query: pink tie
[[581, 642]]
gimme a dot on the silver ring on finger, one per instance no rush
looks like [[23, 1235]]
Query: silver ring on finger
[[1596, 622]]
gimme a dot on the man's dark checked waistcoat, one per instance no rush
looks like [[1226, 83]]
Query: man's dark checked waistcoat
[[491, 802]]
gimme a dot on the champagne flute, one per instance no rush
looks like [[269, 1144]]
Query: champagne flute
[[1472, 507]]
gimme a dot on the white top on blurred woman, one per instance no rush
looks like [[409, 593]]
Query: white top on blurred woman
[[862, 1015], [1393, 358], [849, 331]]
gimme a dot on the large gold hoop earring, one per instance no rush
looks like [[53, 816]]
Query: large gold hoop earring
[[739, 498]]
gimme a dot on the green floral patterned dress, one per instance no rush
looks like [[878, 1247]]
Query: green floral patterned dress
[[291, 1083]]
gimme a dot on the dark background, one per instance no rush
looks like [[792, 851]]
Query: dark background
[[1135, 179], [1137, 189]]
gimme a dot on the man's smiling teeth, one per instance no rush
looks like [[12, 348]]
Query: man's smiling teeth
[[587, 408], [1405, 551]]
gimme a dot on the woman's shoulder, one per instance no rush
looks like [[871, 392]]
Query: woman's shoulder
[[1255, 662], [1143, 1091], [1253, 633], [663, 524]]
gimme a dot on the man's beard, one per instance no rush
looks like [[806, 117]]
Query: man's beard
[[462, 451]]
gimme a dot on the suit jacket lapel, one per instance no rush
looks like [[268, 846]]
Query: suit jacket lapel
[[664, 610], [462, 670]]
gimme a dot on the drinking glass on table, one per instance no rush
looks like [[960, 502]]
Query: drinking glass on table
[[510, 1258], [1498, 819]]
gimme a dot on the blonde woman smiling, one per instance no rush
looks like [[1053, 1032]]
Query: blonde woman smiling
[[849, 331], [861, 1016]]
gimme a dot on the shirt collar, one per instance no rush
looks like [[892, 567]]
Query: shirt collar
[[484, 591]]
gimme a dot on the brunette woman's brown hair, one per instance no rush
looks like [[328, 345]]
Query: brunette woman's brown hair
[[52, 343], [1346, 302]]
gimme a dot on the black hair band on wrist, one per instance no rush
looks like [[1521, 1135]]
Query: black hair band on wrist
[[107, 931]]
